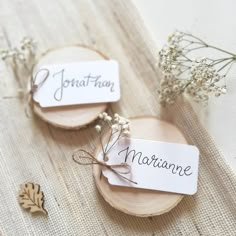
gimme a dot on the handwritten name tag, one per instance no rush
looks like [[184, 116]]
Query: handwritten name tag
[[77, 83], [155, 165]]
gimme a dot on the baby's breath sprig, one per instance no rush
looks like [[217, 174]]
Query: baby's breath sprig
[[118, 127], [184, 74], [21, 59], [21, 53]]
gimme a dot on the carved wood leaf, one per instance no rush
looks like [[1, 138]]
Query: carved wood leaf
[[32, 198]]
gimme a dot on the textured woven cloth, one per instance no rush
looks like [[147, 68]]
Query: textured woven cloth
[[31, 150]]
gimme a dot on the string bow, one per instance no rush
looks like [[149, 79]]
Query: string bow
[[86, 158], [34, 87]]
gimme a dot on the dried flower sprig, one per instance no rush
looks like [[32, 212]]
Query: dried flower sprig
[[118, 127], [22, 59], [199, 77], [21, 53]]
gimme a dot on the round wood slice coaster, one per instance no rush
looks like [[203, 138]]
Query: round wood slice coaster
[[76, 116], [134, 201]]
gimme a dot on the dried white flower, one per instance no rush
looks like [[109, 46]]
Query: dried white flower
[[116, 122], [4, 54], [125, 126], [28, 43], [21, 53], [118, 127], [108, 118], [115, 127], [98, 128], [100, 116], [126, 132], [182, 74]]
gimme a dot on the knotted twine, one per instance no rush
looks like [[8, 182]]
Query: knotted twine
[[86, 158], [34, 88]]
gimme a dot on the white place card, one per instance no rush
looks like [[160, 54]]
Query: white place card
[[77, 83], [163, 166]]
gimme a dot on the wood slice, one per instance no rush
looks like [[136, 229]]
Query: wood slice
[[141, 202], [76, 116]]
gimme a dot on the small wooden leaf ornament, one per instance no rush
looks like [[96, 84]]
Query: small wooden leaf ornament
[[32, 198]]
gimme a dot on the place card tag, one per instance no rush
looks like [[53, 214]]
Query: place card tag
[[162, 166], [77, 83]]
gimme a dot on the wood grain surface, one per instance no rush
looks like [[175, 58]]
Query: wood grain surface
[[135, 201], [76, 116]]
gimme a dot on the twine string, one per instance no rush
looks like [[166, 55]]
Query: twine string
[[88, 159], [34, 88]]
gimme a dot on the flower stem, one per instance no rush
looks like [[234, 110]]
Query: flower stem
[[221, 50], [210, 46], [117, 139], [221, 60], [225, 65]]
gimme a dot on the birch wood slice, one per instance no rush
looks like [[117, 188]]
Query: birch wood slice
[[76, 116], [141, 202]]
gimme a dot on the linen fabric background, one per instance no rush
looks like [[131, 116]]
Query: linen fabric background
[[31, 150]]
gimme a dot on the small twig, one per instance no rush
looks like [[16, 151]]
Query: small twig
[[225, 65], [113, 144]]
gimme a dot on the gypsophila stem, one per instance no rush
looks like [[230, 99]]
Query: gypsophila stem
[[197, 77]]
